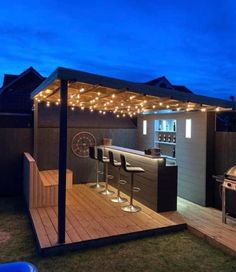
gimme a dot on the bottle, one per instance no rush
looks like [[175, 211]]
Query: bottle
[[169, 138], [164, 138], [159, 138], [173, 152], [174, 126], [174, 139]]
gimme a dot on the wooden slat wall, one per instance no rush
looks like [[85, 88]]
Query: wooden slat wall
[[35, 193], [191, 154]]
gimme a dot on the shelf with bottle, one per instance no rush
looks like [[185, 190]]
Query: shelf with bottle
[[167, 143], [166, 138], [165, 125]]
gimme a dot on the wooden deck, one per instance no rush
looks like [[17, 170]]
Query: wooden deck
[[207, 223], [93, 220]]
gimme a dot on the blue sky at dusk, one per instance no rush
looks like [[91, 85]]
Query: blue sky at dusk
[[192, 43]]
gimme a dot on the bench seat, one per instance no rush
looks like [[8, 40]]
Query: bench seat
[[50, 178]]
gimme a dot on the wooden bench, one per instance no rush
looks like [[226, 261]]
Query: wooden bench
[[50, 178], [41, 187]]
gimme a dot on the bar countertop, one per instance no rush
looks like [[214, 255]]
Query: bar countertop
[[169, 161]]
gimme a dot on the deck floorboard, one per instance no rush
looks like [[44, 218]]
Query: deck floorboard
[[92, 216], [207, 223]]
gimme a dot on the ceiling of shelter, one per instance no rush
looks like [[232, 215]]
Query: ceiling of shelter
[[121, 102]]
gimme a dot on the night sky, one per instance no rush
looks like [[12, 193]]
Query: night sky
[[192, 43]]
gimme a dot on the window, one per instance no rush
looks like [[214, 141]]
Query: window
[[188, 128], [144, 127]]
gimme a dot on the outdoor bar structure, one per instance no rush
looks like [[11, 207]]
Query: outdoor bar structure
[[167, 120]]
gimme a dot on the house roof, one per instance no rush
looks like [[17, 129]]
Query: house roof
[[11, 79], [158, 80], [8, 79], [182, 88], [128, 94], [16, 90]]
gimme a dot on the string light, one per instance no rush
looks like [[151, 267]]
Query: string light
[[82, 90], [203, 109], [72, 108], [48, 104], [48, 91], [113, 96], [160, 103]]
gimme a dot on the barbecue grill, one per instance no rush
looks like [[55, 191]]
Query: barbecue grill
[[228, 184]]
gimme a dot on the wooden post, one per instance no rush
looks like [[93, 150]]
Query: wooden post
[[62, 162], [35, 133]]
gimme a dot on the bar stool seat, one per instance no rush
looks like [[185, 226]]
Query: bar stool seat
[[92, 155], [133, 170], [105, 161], [115, 163]]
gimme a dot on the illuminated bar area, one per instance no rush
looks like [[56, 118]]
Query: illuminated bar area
[[157, 185]]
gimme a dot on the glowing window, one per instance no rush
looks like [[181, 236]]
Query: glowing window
[[188, 128], [144, 127]]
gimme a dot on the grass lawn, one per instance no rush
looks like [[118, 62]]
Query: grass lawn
[[173, 252]]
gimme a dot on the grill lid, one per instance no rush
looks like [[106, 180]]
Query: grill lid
[[231, 173]]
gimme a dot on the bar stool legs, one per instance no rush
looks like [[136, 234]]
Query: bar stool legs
[[106, 192], [131, 208], [97, 185], [118, 198]]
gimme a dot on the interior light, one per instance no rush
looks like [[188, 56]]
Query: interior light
[[144, 127], [82, 90], [160, 103], [188, 128]]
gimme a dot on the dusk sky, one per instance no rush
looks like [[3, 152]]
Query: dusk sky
[[192, 43]]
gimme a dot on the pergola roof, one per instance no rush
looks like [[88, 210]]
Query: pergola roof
[[86, 90]]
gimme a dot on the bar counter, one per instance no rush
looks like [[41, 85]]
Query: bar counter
[[158, 183]]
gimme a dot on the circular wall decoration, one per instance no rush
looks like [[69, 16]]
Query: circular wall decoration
[[81, 143]]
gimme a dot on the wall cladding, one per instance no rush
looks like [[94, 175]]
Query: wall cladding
[[13, 142], [48, 149], [190, 153], [225, 153]]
